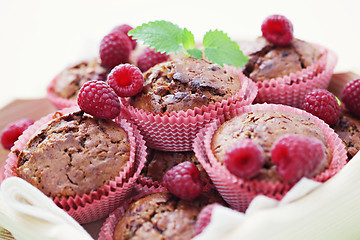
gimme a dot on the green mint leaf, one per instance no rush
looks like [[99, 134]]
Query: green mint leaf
[[162, 35], [188, 40], [195, 52], [221, 50]]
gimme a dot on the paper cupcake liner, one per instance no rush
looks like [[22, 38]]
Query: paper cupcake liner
[[237, 192], [98, 203], [108, 228], [56, 100], [291, 90], [176, 131]]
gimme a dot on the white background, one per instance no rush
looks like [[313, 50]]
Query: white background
[[39, 38]]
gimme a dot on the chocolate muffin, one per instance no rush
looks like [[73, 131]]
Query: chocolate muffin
[[185, 83], [265, 127], [267, 61], [348, 129], [69, 81], [158, 162], [73, 155], [161, 216]]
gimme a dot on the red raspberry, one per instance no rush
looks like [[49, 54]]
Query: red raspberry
[[297, 156], [149, 58], [115, 48], [277, 30], [183, 180], [244, 158], [126, 79], [322, 104], [204, 218], [351, 96], [99, 99], [12, 132], [125, 29]]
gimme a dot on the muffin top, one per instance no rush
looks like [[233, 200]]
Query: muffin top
[[74, 154], [158, 162], [69, 81], [185, 83], [265, 127], [267, 61], [161, 216], [348, 129]]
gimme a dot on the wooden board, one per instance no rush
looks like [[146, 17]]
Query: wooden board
[[37, 108]]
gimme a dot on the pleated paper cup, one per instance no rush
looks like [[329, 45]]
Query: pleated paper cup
[[175, 131], [291, 89], [99, 202], [238, 192]]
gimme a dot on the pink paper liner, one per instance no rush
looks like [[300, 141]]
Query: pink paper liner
[[56, 100], [238, 193], [108, 228], [280, 91], [98, 203], [176, 131]]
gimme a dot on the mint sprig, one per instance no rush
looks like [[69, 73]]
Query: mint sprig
[[161, 35], [170, 38]]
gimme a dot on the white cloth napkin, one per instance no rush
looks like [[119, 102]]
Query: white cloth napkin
[[310, 210], [28, 214]]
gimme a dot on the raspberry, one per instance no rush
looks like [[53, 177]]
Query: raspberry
[[99, 99], [297, 156], [204, 218], [244, 158], [125, 29], [322, 104], [12, 132], [126, 79], [183, 180], [277, 30], [115, 48], [149, 58], [351, 96]]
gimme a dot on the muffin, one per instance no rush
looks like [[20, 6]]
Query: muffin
[[263, 123], [270, 61], [158, 162], [73, 155], [185, 83], [284, 75], [181, 96], [64, 88], [159, 215], [87, 166], [348, 129], [264, 128]]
